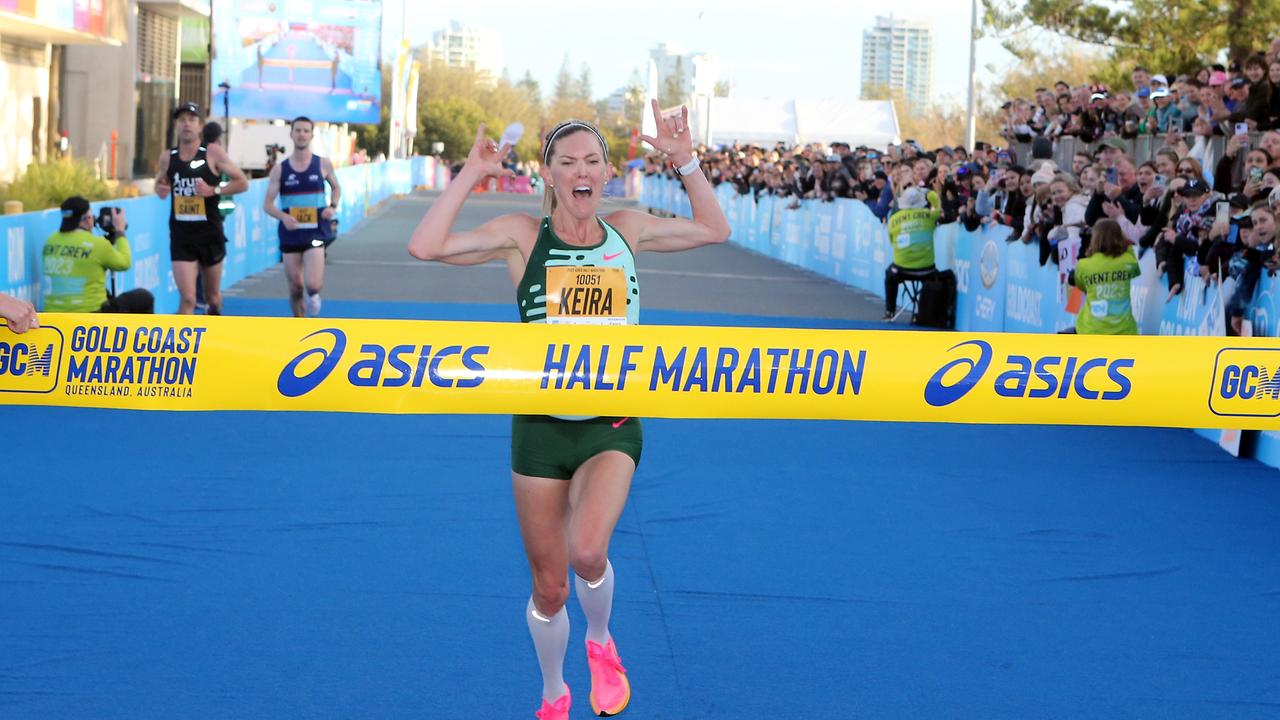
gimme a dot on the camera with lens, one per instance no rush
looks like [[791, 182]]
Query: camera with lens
[[106, 223], [273, 150]]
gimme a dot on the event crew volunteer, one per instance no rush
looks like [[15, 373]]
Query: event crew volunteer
[[1105, 275]]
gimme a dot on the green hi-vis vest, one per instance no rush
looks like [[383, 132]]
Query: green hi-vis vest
[[911, 234], [1105, 282]]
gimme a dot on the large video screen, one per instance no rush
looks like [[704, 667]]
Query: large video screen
[[284, 58]]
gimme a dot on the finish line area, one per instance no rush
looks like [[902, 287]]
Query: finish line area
[[290, 564]]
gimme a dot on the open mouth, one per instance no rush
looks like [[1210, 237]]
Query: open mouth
[[582, 192]]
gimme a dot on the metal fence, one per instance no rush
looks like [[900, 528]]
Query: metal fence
[[1139, 149]]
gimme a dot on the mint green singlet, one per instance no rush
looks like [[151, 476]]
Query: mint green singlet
[[583, 303]]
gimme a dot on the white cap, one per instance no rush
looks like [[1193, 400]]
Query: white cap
[[1160, 80], [1044, 175]]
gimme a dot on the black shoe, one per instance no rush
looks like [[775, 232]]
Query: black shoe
[[889, 315]]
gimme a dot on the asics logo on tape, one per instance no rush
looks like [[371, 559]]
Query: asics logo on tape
[[940, 393], [290, 384]]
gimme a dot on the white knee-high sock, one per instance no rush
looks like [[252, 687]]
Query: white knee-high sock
[[550, 640], [596, 598]]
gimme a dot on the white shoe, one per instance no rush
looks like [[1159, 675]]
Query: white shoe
[[312, 303]]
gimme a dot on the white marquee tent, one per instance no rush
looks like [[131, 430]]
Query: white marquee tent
[[723, 121]]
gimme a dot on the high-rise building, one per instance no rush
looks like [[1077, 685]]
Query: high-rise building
[[464, 46], [700, 71], [897, 54]]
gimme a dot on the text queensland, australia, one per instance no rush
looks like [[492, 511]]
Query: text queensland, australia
[[133, 362]]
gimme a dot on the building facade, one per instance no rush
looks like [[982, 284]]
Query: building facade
[[464, 46], [699, 72], [897, 55], [97, 84]]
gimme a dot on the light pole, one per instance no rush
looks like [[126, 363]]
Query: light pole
[[971, 126]]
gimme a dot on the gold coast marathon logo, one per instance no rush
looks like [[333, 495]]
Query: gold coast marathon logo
[[1246, 383], [29, 363]]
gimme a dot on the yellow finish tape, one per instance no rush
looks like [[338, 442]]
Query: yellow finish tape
[[394, 366]]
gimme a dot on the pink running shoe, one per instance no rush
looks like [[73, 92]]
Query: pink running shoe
[[610, 691], [558, 710]]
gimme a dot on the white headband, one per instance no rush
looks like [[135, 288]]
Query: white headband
[[572, 124]]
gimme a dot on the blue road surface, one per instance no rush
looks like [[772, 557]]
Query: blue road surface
[[290, 565]]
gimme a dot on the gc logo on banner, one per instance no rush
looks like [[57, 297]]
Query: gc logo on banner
[[1244, 380], [31, 364]]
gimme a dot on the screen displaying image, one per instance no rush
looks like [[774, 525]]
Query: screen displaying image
[[285, 58]]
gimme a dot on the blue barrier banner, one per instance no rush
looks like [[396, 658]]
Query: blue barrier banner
[[793, 235], [771, 242], [746, 213], [1034, 300], [841, 239], [24, 237], [820, 260], [761, 219], [1198, 310], [731, 213], [980, 277], [867, 239], [1264, 312]]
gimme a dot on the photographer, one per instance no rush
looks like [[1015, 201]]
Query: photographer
[[76, 262]]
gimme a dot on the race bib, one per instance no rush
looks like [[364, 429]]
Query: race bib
[[188, 208], [586, 296], [306, 217]]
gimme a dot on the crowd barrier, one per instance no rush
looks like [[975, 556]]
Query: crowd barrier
[[1139, 149], [1001, 285], [251, 235]]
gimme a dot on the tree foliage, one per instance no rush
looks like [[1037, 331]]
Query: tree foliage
[[454, 101], [1171, 36]]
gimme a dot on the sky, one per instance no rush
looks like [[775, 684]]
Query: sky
[[798, 48]]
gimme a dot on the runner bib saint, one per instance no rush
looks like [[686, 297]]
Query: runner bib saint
[[189, 208], [586, 296]]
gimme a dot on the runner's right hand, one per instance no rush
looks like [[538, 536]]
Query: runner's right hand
[[290, 222]]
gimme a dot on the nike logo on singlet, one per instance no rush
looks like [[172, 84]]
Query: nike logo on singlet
[[197, 163], [615, 256]]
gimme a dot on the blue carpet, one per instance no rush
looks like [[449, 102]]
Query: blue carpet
[[253, 565]]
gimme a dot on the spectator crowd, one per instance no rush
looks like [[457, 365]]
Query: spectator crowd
[[1187, 167]]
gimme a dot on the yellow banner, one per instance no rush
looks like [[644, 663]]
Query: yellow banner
[[393, 366]]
